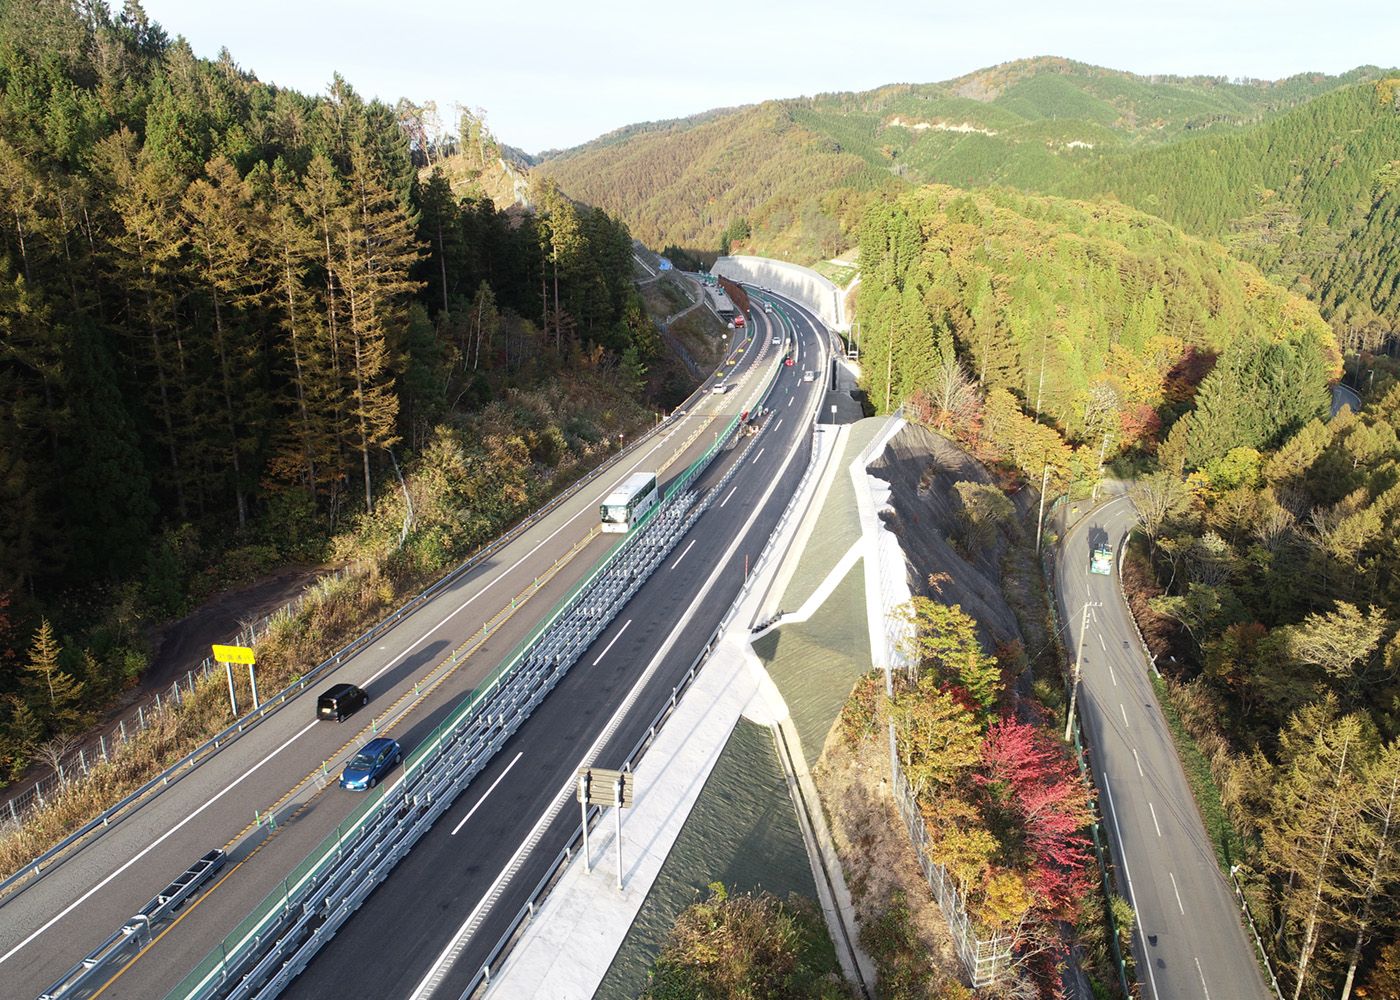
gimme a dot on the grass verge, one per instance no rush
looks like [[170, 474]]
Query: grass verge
[[1198, 775]]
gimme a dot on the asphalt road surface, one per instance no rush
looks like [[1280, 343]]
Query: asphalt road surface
[[1190, 940], [53, 921], [430, 926]]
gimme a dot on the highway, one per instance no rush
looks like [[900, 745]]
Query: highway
[[433, 923], [1190, 940], [278, 766]]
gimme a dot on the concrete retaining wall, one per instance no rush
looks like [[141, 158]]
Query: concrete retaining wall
[[817, 293]]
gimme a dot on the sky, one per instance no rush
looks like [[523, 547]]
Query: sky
[[555, 73]]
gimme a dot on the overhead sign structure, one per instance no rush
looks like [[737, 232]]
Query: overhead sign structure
[[598, 786], [228, 656]]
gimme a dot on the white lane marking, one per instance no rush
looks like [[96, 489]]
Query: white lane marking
[[1123, 855], [778, 424], [433, 977], [726, 499], [1138, 763], [1155, 824], [1180, 907], [1101, 645], [498, 780], [614, 639], [687, 549], [1112, 676], [157, 842], [1125, 713], [1203, 978], [487, 586], [757, 457], [790, 399]]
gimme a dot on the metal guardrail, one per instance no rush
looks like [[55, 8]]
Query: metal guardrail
[[274, 943], [194, 758], [562, 860], [135, 934]]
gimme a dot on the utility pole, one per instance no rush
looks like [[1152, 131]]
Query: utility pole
[[1040, 518], [1103, 449], [1078, 661], [889, 371]]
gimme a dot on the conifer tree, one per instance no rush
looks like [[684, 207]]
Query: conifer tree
[[375, 253], [50, 687], [226, 231]]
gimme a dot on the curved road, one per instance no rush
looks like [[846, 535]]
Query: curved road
[[52, 922], [432, 924], [1190, 941]]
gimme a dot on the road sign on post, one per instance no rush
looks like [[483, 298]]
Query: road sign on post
[[228, 656], [234, 654], [601, 787]]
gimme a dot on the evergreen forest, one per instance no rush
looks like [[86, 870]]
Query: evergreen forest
[[230, 313]]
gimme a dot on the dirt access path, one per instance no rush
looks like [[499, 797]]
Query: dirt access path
[[182, 645]]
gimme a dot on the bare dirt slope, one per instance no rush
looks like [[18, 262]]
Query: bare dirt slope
[[922, 468]]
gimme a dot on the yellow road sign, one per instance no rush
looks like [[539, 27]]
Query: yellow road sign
[[233, 654]]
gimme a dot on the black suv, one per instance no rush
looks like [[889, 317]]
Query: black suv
[[340, 702]]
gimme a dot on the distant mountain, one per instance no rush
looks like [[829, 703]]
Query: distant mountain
[[1216, 157], [1312, 197], [1029, 123]]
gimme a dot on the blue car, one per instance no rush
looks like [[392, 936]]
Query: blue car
[[373, 762]]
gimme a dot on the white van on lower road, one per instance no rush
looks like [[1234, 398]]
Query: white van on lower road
[[720, 387]]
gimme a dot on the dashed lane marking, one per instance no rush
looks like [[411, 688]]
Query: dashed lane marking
[[499, 779]]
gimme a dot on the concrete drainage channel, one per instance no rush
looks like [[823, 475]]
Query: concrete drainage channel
[[272, 945]]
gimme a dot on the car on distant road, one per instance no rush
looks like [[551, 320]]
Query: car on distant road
[[340, 702], [777, 340], [1102, 561], [789, 362], [809, 376], [720, 388], [375, 759]]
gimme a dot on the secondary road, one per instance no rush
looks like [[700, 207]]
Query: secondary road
[[1190, 941], [433, 923], [54, 921]]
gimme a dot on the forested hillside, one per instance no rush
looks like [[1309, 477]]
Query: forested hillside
[[1097, 320], [790, 177], [695, 184], [223, 305], [1267, 587], [1311, 197], [1297, 176]]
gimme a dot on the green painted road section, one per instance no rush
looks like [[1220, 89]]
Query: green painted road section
[[742, 832], [815, 663], [837, 525]]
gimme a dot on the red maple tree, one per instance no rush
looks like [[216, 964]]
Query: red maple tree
[[1045, 791]]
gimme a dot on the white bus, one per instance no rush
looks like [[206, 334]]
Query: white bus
[[634, 496]]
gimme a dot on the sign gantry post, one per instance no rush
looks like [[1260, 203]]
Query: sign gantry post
[[600, 787]]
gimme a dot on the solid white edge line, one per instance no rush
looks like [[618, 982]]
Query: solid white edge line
[[426, 985], [614, 640], [1123, 854], [499, 779]]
